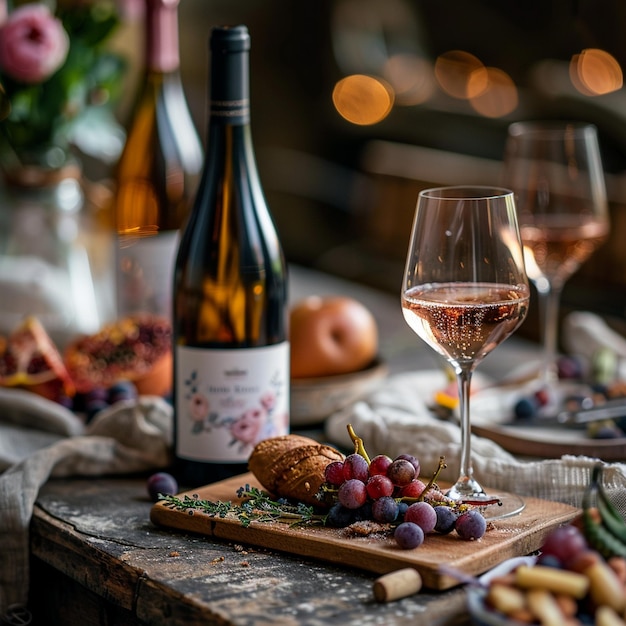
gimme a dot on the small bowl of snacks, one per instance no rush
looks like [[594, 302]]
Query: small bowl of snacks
[[579, 576]]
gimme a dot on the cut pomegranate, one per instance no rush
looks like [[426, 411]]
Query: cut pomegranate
[[29, 359], [136, 348]]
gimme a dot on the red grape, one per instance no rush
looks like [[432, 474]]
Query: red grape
[[408, 535], [401, 472], [355, 466], [413, 490], [422, 514], [352, 494], [379, 486], [379, 464], [564, 543], [333, 473]]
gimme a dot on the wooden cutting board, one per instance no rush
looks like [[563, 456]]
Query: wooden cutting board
[[507, 538]]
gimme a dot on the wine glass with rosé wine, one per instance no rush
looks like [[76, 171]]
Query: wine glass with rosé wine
[[464, 291], [555, 170]]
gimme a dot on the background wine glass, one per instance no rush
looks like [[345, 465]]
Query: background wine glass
[[555, 171], [465, 291]]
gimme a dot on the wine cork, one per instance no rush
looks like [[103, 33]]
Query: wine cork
[[395, 585]]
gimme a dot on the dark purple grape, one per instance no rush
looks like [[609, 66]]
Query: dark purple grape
[[446, 519], [339, 516], [352, 494], [355, 466], [412, 460], [423, 514], [570, 367], [408, 535], [333, 473], [363, 513], [470, 525], [98, 393], [163, 483], [401, 472], [93, 407], [385, 510]]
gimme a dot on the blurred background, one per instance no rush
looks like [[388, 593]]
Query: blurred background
[[358, 104]]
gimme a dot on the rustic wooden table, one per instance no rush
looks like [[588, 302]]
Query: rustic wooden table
[[97, 558]]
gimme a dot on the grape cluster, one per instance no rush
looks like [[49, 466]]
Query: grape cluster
[[389, 491]]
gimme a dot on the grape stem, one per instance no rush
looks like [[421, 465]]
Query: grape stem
[[441, 466], [359, 448]]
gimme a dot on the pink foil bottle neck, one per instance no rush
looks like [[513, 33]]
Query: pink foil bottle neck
[[162, 35]]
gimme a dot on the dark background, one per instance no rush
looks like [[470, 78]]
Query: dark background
[[343, 195]]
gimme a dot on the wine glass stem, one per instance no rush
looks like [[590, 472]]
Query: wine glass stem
[[466, 486], [549, 297]]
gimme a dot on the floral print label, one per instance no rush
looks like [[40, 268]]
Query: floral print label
[[229, 400]]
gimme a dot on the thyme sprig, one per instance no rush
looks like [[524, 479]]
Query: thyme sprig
[[255, 505]]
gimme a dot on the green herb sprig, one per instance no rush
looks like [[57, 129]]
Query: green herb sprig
[[256, 506]]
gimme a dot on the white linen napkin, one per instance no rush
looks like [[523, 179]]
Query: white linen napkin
[[395, 419], [40, 439]]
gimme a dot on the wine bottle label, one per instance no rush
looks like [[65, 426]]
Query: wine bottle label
[[145, 270], [229, 400]]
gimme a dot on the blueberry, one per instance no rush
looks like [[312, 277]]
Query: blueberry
[[122, 390], [525, 407], [550, 560]]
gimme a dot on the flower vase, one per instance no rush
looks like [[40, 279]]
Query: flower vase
[[48, 247]]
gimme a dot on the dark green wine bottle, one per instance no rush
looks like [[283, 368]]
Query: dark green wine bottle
[[231, 351]]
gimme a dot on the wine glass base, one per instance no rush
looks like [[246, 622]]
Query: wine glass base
[[492, 506], [497, 506]]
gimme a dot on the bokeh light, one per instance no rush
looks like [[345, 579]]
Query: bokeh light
[[362, 99], [453, 71], [500, 96], [411, 78], [595, 72]]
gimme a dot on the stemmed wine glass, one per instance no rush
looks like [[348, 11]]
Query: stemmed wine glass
[[555, 171], [464, 292]]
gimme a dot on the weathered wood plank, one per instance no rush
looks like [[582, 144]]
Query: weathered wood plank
[[97, 536]]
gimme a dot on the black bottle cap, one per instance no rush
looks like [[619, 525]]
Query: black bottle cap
[[230, 39]]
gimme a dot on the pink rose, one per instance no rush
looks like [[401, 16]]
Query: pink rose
[[33, 44], [247, 427], [198, 407]]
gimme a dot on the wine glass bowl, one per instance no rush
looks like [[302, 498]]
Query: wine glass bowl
[[464, 291], [555, 171]]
